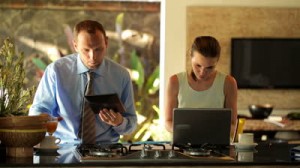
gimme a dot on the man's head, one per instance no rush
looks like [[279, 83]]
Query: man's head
[[90, 42]]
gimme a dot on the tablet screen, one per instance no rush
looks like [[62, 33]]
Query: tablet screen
[[109, 101]]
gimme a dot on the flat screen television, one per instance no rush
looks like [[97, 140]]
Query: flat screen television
[[266, 63]]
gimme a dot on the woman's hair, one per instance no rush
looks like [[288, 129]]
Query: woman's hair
[[207, 46], [88, 25]]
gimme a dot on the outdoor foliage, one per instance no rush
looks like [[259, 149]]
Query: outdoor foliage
[[14, 99]]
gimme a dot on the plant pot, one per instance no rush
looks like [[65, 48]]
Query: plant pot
[[20, 133], [2, 152]]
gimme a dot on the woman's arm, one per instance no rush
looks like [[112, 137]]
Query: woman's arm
[[171, 101], [230, 90]]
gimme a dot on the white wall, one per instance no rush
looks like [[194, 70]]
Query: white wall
[[173, 32]]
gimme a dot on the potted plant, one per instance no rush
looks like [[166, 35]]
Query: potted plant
[[18, 131]]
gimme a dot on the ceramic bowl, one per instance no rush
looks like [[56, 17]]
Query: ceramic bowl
[[260, 111]]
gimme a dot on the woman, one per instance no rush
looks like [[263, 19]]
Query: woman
[[202, 86]]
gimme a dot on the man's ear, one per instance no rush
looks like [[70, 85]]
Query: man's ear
[[106, 41], [75, 45]]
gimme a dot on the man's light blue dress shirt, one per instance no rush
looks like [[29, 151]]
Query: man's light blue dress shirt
[[61, 93]]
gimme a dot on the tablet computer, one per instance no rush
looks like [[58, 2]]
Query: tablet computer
[[109, 101]]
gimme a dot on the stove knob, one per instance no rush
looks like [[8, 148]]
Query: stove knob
[[172, 154], [157, 154], [147, 147], [144, 154]]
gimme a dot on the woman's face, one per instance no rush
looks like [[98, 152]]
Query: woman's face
[[203, 67]]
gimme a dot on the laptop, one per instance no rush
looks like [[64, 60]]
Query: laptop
[[199, 126]]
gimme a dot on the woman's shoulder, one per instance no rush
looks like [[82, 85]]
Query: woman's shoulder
[[173, 79], [230, 83], [222, 74], [228, 78], [178, 76], [181, 74]]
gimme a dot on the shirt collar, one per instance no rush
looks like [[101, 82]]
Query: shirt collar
[[81, 68]]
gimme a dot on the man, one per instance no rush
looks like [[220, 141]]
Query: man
[[62, 88]]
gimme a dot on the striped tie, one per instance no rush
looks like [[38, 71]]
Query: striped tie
[[88, 117]]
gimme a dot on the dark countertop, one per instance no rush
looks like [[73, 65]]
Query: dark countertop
[[264, 155]]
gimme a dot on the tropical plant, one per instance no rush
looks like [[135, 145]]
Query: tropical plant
[[146, 102], [146, 89], [14, 98]]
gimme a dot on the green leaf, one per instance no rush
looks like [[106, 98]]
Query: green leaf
[[152, 86], [137, 65], [13, 97], [119, 26], [119, 19], [39, 63]]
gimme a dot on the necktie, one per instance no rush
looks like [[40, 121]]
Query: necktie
[[88, 125]]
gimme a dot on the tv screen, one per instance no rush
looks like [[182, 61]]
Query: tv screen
[[266, 62]]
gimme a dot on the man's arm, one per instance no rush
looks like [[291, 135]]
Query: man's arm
[[45, 94], [129, 120]]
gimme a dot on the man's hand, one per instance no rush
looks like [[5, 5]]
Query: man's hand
[[110, 117]]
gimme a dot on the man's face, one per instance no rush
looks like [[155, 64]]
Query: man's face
[[91, 47], [203, 67]]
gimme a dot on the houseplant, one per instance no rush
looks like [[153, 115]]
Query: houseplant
[[18, 132]]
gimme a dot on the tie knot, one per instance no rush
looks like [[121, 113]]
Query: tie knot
[[89, 85], [90, 75]]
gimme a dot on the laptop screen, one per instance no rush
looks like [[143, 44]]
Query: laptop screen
[[199, 126]]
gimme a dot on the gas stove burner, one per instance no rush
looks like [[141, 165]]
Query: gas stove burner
[[102, 153], [102, 150], [198, 152]]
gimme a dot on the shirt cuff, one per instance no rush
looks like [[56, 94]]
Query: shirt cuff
[[121, 128]]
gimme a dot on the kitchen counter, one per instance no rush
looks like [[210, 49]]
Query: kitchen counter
[[262, 125], [269, 129], [264, 155]]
